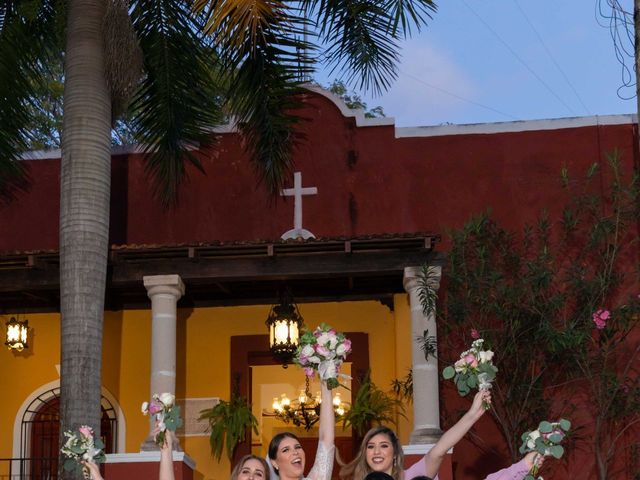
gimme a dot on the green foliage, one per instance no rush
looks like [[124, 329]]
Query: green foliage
[[428, 345], [353, 100], [228, 422], [371, 407], [403, 387], [533, 294]]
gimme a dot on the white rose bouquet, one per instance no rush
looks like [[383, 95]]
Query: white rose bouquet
[[323, 350], [545, 441], [166, 413], [474, 369], [79, 447]]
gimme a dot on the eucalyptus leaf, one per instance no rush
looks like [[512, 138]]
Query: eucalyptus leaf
[[565, 424], [545, 427], [448, 373], [557, 451]]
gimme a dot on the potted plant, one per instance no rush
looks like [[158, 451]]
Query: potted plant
[[370, 407], [229, 422]]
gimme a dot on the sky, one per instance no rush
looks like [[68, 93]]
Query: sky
[[482, 61]]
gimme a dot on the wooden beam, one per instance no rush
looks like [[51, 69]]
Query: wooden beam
[[325, 265]]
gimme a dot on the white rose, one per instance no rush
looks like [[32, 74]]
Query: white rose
[[323, 339], [341, 350], [314, 359], [459, 366], [486, 356], [333, 341], [531, 441], [145, 407], [307, 351], [168, 399]]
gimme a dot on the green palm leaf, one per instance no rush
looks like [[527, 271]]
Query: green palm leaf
[[177, 103], [28, 36]]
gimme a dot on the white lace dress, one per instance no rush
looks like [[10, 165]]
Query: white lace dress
[[323, 466]]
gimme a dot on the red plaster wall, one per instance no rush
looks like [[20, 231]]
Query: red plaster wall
[[392, 185]]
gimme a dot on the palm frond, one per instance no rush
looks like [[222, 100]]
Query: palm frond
[[408, 13], [28, 36], [265, 81], [361, 42], [177, 103]]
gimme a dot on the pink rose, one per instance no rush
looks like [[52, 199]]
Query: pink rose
[[475, 334], [322, 350], [155, 407], [86, 431], [600, 318], [471, 360], [309, 372]]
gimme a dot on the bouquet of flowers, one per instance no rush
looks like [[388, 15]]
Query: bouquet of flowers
[[323, 350], [79, 447], [474, 369], [167, 414], [545, 441]]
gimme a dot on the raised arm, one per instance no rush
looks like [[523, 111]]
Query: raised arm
[[519, 470], [323, 465], [434, 458], [166, 457], [327, 428]]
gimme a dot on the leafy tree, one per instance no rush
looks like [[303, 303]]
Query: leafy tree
[[553, 302], [353, 100]]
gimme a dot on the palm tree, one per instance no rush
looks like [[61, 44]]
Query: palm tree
[[261, 49]]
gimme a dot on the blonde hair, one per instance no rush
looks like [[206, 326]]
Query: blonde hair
[[358, 468], [236, 470]]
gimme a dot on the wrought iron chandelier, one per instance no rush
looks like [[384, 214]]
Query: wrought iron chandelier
[[304, 411]]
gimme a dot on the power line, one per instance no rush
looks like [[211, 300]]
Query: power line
[[419, 80], [506, 45], [544, 45]]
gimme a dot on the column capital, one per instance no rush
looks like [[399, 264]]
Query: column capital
[[411, 277], [171, 284]]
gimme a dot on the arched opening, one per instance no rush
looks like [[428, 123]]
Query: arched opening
[[40, 434]]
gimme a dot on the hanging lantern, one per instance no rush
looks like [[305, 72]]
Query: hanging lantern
[[284, 323], [17, 334]]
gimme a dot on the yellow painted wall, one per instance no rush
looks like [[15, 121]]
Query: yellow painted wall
[[203, 349]]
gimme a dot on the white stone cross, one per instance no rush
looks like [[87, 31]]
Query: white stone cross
[[297, 192]]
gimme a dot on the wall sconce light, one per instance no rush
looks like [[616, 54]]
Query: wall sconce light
[[17, 334], [284, 323]]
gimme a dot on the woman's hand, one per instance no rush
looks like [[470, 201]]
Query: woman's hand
[[482, 398], [94, 470], [533, 458]]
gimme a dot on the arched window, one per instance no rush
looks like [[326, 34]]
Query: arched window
[[40, 434]]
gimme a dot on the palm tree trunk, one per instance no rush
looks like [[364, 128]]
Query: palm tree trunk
[[84, 214]]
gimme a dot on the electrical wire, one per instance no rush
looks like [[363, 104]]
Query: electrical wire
[[514, 53], [442, 90], [622, 31], [546, 49]]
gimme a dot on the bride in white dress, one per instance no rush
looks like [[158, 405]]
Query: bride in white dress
[[287, 457]]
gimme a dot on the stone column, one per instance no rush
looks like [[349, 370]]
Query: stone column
[[164, 292], [426, 402]]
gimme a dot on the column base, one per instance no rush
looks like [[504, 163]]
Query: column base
[[425, 436]]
